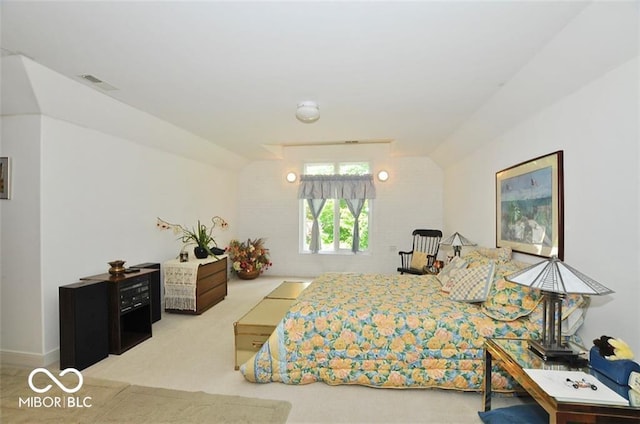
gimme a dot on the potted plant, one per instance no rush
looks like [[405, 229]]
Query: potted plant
[[199, 235], [248, 259]]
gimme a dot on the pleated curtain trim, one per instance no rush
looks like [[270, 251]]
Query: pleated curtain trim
[[336, 187]]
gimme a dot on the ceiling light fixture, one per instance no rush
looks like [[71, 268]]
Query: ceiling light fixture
[[308, 112], [383, 176]]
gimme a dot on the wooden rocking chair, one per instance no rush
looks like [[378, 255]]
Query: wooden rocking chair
[[420, 259]]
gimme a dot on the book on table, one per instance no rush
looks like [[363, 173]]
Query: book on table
[[561, 385]]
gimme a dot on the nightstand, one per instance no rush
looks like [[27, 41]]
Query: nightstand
[[513, 355]]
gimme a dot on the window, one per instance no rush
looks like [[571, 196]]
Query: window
[[336, 216]]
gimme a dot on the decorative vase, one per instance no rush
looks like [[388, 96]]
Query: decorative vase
[[200, 252], [117, 267], [248, 275]]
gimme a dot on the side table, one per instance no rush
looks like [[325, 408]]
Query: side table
[[513, 355]]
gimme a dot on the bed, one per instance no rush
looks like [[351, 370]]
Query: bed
[[399, 331]]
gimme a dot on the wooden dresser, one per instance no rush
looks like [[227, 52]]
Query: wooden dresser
[[210, 284]]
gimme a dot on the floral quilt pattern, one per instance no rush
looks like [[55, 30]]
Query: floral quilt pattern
[[377, 330]]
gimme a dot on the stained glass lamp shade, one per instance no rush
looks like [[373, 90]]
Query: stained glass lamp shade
[[457, 240], [555, 279]]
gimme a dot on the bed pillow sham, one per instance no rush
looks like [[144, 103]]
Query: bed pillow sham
[[509, 301], [482, 256], [500, 254], [449, 270], [473, 284]]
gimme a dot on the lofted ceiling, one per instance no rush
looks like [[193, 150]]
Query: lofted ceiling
[[233, 72]]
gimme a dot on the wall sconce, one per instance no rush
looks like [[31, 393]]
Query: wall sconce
[[308, 112], [383, 176], [292, 177]]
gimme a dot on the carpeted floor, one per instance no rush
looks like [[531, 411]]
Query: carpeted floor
[[105, 401]]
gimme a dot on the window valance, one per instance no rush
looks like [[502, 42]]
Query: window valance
[[336, 187]]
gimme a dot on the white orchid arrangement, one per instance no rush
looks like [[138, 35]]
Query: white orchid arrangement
[[201, 235]]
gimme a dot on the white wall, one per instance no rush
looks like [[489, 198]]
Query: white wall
[[82, 197], [598, 129], [269, 207], [20, 288], [104, 205]]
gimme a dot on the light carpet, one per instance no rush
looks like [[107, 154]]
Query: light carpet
[[105, 401]]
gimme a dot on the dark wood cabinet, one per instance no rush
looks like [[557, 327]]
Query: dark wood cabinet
[[156, 289], [129, 308], [84, 324]]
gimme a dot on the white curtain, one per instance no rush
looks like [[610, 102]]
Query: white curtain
[[353, 188], [355, 207], [315, 205]]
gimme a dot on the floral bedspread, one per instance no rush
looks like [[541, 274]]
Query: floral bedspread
[[377, 330]]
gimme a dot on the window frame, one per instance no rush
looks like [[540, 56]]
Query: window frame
[[303, 207]]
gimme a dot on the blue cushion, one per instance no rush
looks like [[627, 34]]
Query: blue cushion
[[517, 414], [617, 370]]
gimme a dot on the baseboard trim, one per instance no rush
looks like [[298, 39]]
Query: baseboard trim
[[29, 360]]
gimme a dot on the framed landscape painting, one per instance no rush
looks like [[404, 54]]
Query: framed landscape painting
[[530, 207]]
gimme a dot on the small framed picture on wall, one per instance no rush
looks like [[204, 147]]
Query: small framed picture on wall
[[5, 176]]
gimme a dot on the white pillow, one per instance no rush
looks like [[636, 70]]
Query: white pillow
[[572, 323]]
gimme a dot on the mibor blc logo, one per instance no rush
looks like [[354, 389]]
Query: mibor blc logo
[[55, 401]]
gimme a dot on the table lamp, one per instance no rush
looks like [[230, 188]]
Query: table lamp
[[457, 240], [555, 279]]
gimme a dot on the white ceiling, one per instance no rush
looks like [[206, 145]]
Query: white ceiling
[[233, 72]]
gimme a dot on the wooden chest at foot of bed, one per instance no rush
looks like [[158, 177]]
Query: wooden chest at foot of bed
[[288, 290], [254, 328]]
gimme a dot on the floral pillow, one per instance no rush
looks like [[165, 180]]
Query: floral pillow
[[509, 301], [500, 254], [450, 269], [473, 284], [475, 258], [483, 255]]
